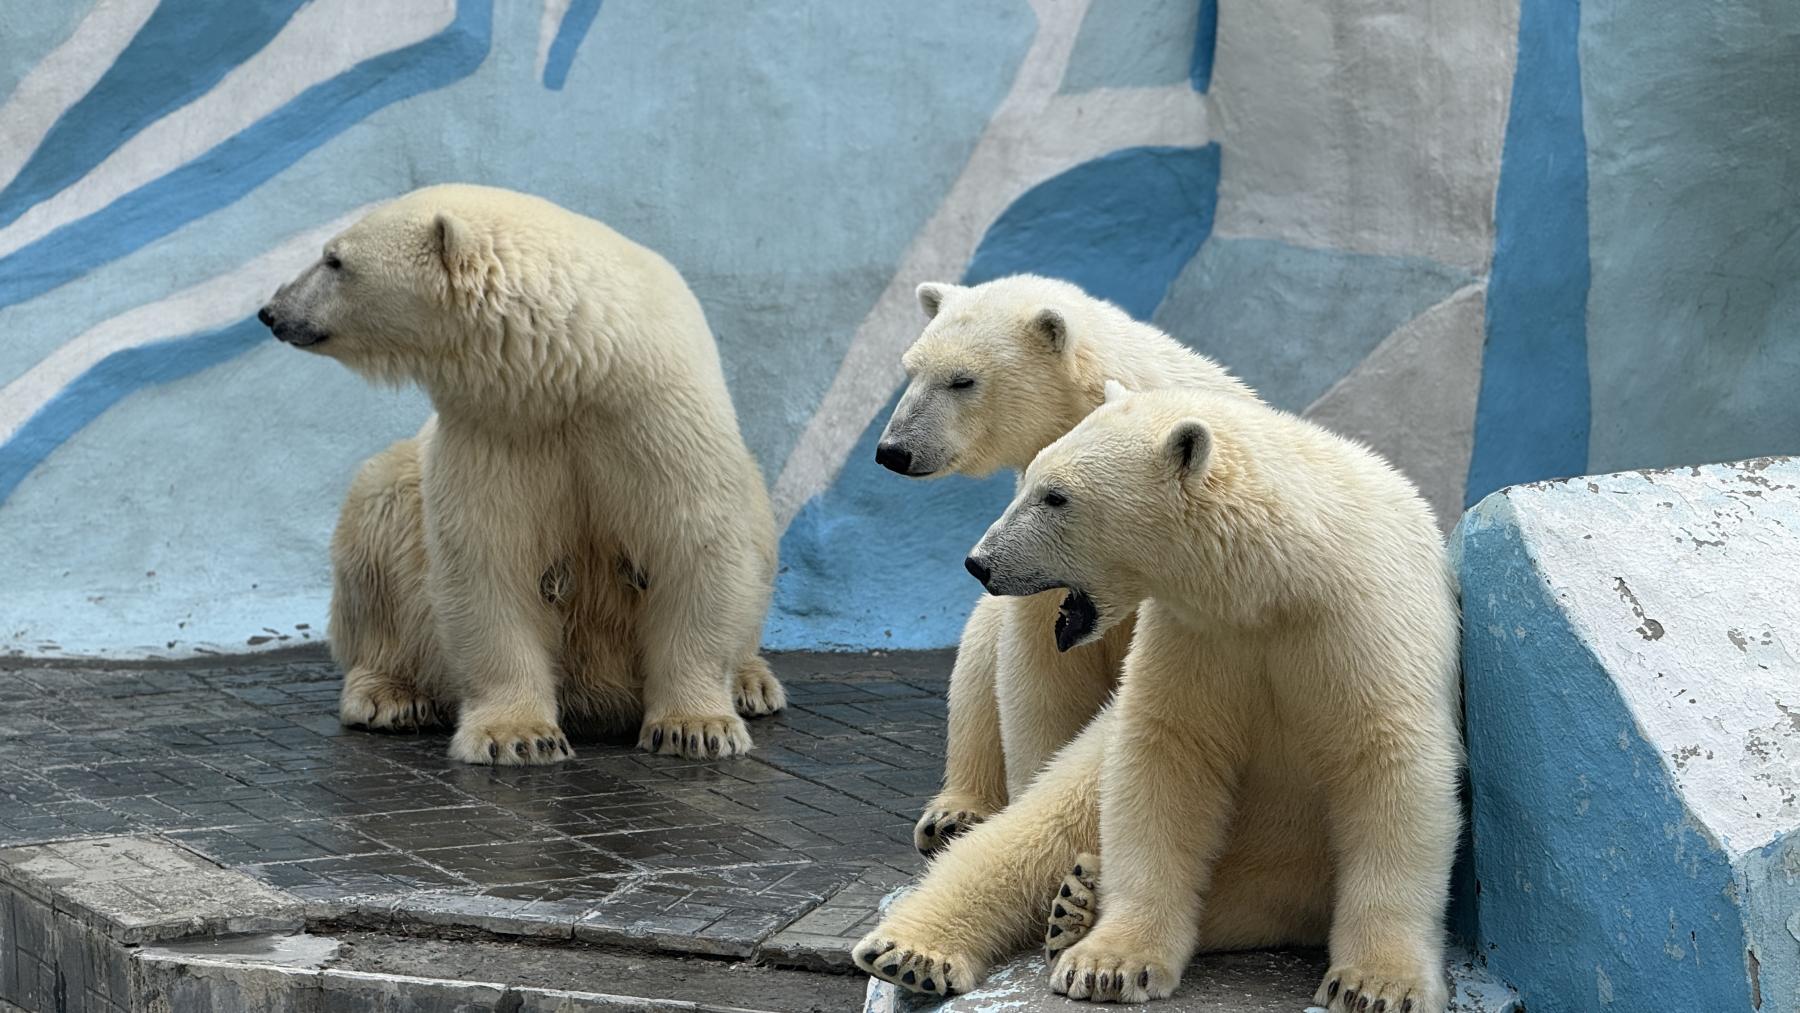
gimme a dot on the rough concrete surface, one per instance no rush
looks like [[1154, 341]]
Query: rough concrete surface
[[1632, 670], [1280, 981]]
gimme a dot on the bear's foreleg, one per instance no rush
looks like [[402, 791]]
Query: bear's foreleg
[[1046, 695], [987, 894], [1166, 805], [488, 557], [974, 762], [1393, 817], [703, 609]]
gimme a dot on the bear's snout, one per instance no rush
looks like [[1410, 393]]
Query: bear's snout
[[978, 568], [894, 457], [298, 334]]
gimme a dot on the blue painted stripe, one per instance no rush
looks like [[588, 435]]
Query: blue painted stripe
[[108, 382], [575, 23], [244, 161], [1206, 40], [1532, 418], [182, 50], [1121, 226]]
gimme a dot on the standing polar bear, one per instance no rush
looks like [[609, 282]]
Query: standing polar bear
[[579, 530], [1281, 762], [1000, 371]]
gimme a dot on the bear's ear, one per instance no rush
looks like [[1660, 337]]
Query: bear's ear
[[455, 245], [1051, 328], [931, 296], [1189, 447], [1115, 391]]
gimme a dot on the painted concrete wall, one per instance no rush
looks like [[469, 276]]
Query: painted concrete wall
[[1500, 241], [1632, 670]]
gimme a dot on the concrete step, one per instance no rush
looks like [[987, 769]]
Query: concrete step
[[304, 973]]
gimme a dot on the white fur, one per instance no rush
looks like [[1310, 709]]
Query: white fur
[[584, 441], [1280, 764], [1041, 352]]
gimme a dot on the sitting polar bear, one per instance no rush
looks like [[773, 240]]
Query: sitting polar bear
[[1280, 765], [579, 530], [1001, 370]]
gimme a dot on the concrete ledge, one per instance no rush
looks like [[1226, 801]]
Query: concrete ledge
[[1632, 669], [1260, 982]]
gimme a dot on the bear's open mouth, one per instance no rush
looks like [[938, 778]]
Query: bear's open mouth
[[1075, 619]]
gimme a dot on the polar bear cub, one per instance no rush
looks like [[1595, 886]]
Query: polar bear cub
[[1280, 763], [580, 530], [1001, 370]]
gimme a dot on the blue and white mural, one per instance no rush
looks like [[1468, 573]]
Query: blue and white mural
[[1492, 276]]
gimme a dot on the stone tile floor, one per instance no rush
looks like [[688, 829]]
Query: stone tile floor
[[781, 855]]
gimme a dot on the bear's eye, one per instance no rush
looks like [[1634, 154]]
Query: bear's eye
[[962, 383], [1055, 499], [332, 262]]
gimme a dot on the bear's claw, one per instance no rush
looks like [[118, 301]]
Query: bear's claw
[[916, 969], [510, 743], [383, 703], [1073, 908], [708, 737], [1370, 988], [755, 691], [1097, 971]]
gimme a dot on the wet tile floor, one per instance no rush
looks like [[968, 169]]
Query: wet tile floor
[[781, 854]]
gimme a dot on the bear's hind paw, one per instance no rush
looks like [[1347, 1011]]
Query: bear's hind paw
[[1073, 908], [915, 968], [381, 703], [755, 691], [944, 819]]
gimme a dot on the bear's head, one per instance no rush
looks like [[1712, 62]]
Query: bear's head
[[1101, 512], [416, 290], [991, 381]]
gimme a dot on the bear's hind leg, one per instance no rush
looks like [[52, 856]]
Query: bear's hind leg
[[380, 631], [987, 895]]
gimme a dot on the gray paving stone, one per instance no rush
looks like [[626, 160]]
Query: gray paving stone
[[242, 772]]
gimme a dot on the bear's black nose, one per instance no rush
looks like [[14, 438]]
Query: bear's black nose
[[894, 457], [267, 318], [978, 569]]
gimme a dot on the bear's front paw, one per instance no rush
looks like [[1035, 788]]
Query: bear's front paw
[[946, 817], [509, 742], [701, 737], [755, 690], [915, 967], [1099, 970], [1383, 987], [379, 703], [1073, 909]]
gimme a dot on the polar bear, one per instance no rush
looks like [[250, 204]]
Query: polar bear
[[579, 530], [1001, 370], [1280, 765]]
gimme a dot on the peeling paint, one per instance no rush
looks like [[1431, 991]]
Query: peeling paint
[[1697, 814]]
